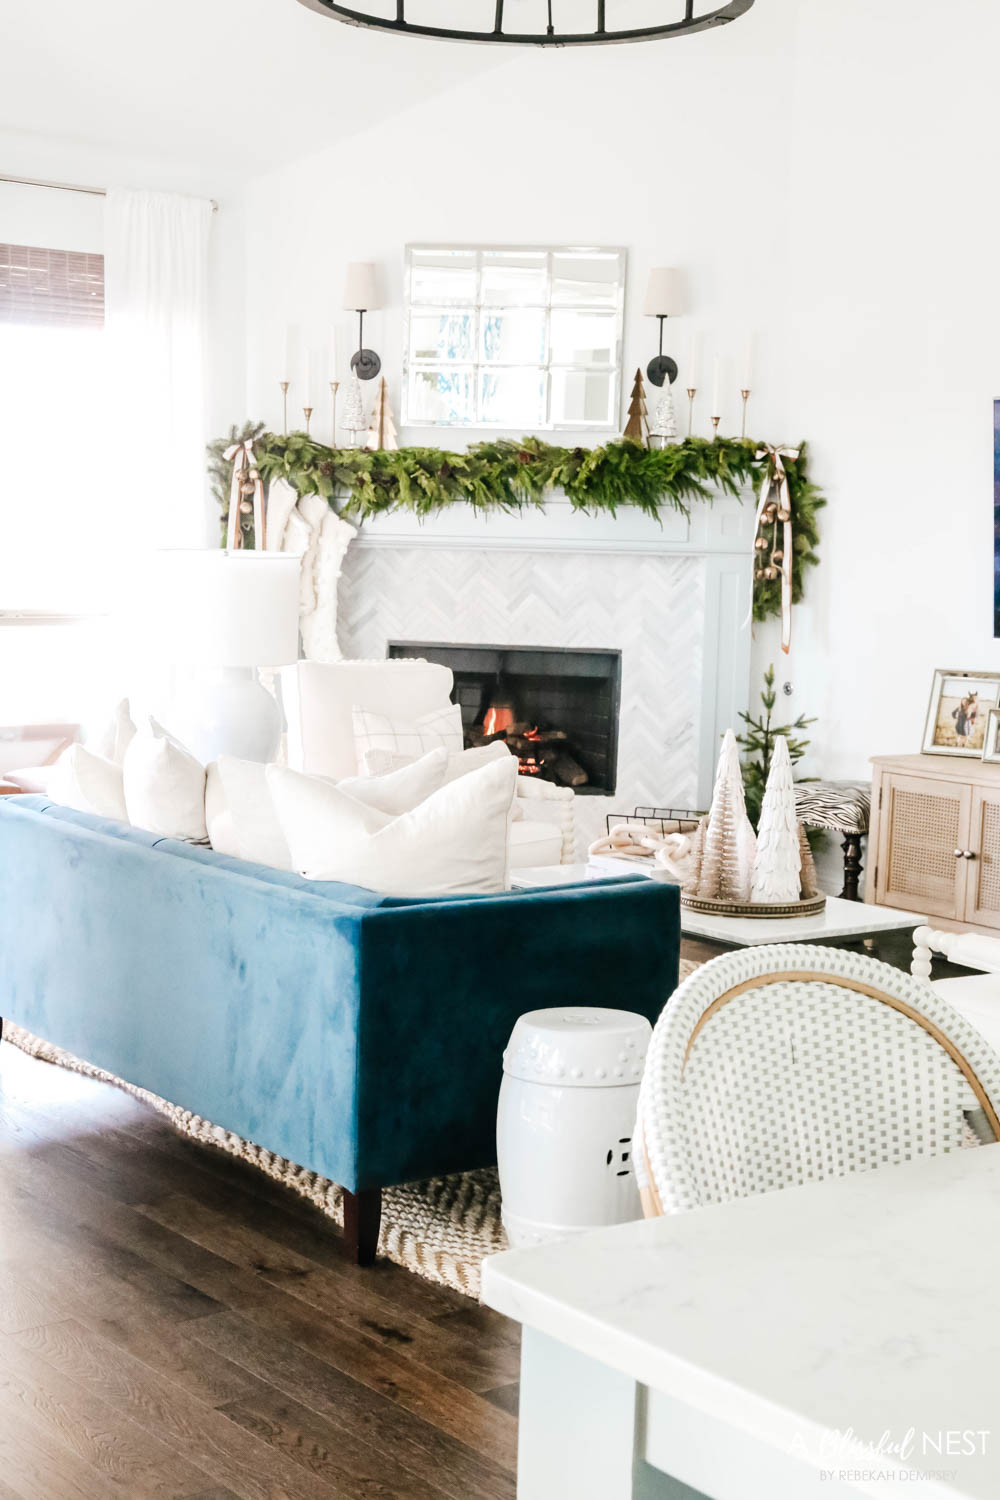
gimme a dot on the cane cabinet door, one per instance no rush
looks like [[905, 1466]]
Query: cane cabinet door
[[923, 835], [982, 901]]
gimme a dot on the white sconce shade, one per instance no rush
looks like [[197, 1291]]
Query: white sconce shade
[[360, 290], [664, 293], [224, 609]]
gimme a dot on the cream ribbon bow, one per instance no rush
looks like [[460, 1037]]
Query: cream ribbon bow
[[245, 472], [775, 485]]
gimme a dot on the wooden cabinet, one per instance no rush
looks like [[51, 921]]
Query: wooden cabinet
[[934, 840]]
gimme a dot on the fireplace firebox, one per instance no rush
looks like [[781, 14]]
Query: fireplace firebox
[[556, 708]]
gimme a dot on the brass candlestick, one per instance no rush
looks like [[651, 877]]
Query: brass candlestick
[[307, 412], [334, 388], [284, 405], [745, 393], [692, 392], [715, 428]]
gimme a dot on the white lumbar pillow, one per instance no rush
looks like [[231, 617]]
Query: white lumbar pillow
[[453, 844], [442, 728], [164, 786], [117, 735], [242, 818], [88, 783]]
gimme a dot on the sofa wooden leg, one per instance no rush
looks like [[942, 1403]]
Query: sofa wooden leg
[[362, 1217]]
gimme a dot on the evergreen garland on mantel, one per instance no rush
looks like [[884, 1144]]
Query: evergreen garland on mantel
[[505, 475]]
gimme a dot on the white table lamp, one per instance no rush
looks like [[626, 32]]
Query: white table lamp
[[222, 615]]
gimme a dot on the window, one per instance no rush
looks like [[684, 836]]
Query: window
[[58, 288], [62, 538], [526, 338]]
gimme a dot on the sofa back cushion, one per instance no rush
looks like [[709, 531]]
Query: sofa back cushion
[[319, 699]]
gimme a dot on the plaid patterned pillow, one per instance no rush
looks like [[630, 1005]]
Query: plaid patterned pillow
[[373, 731]]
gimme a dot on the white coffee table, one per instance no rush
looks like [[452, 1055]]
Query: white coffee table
[[839, 921]]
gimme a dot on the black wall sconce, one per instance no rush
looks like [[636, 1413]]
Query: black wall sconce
[[664, 299]]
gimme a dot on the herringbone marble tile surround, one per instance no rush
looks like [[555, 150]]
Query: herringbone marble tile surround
[[650, 607]]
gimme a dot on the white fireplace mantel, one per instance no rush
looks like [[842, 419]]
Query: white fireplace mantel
[[724, 526]]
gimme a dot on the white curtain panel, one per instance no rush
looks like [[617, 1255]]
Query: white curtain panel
[[156, 289]]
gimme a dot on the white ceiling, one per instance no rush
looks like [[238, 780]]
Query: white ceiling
[[230, 87]]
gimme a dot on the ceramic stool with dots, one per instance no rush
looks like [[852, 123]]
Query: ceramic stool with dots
[[567, 1111]]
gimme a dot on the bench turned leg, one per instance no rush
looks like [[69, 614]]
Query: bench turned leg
[[362, 1217], [852, 867]]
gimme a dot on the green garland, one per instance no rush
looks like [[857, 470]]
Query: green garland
[[510, 476]]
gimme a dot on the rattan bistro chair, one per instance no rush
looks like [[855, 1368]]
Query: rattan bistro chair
[[776, 1066]]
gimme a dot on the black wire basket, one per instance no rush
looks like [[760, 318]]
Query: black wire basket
[[662, 820]]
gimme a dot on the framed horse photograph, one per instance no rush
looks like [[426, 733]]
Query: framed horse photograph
[[958, 712]]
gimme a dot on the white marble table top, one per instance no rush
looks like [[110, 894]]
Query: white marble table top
[[839, 919], [865, 1305]]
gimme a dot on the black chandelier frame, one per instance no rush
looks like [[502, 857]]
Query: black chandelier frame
[[693, 20]]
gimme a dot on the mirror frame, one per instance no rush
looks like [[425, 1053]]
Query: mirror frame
[[549, 251]]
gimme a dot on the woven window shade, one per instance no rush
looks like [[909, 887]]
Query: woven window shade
[[60, 288]]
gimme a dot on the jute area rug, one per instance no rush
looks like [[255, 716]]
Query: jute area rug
[[441, 1230]]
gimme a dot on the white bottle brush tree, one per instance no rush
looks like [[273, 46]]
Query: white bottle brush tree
[[777, 869], [728, 845]]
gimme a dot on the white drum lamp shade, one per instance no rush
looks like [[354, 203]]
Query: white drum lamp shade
[[567, 1111], [360, 287], [664, 293], [221, 615]]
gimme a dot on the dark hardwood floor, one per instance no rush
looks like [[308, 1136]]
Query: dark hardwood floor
[[172, 1324]]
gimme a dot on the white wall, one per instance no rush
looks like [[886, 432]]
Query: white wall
[[825, 173]]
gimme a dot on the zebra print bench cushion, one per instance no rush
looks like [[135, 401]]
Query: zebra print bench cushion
[[843, 805]]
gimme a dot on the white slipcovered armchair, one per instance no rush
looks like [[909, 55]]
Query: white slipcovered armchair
[[319, 700]]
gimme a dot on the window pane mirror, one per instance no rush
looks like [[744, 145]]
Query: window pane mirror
[[526, 337]]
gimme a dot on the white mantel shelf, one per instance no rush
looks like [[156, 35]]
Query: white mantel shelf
[[724, 526], [734, 1342]]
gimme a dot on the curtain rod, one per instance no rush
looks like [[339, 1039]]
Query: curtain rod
[[69, 187]]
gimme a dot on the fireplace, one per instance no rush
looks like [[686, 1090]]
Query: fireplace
[[557, 708]]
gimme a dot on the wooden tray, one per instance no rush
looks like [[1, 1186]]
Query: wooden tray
[[809, 906]]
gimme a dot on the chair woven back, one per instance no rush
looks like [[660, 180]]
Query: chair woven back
[[775, 1066]]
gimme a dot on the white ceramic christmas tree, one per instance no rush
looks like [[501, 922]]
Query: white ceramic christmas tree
[[777, 870], [664, 423], [728, 844], [354, 419]]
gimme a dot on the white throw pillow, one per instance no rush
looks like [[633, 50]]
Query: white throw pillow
[[242, 818], [453, 844], [165, 786], [117, 735], [31, 778], [442, 728], [403, 788], [219, 817], [89, 783], [384, 762]]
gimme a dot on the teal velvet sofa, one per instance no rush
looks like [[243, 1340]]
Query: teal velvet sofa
[[359, 1036]]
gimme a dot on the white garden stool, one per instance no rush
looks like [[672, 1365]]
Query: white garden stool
[[564, 1128]]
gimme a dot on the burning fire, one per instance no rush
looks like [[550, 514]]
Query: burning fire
[[498, 721]]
